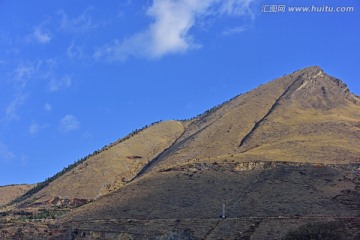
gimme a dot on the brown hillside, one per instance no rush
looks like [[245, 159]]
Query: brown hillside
[[281, 151], [280, 156], [304, 110], [264, 200], [319, 114], [9, 193], [111, 168]]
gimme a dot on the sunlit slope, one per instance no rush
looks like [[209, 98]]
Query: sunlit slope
[[112, 168], [219, 131], [316, 121], [11, 192], [287, 150], [304, 116]]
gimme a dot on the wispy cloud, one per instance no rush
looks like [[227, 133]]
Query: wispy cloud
[[47, 107], [170, 30], [87, 135], [60, 83], [76, 53], [41, 36], [80, 24], [5, 153], [69, 123], [11, 110], [23, 73], [236, 7], [34, 128], [235, 30], [45, 70]]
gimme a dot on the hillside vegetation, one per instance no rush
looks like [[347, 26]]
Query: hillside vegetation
[[283, 158], [10, 192]]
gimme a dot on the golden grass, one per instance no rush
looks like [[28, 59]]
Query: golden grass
[[11, 192], [112, 168]]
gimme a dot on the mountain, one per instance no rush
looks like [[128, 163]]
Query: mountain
[[304, 110], [280, 156], [11, 192], [107, 169]]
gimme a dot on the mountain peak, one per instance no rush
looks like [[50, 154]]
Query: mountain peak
[[311, 69], [314, 88], [297, 133]]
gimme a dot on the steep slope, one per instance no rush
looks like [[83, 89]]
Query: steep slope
[[280, 156], [11, 192], [286, 150], [276, 121], [218, 132], [109, 169], [317, 114]]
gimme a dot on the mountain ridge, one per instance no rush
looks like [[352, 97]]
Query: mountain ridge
[[285, 150], [270, 100], [287, 82]]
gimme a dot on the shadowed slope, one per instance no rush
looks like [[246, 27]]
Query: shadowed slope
[[191, 198]]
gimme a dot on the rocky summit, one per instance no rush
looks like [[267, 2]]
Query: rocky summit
[[279, 162]]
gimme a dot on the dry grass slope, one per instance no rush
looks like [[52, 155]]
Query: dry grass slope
[[11, 192], [279, 156], [112, 168], [304, 110], [190, 198]]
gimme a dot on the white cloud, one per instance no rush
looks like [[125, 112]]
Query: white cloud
[[24, 159], [173, 20], [23, 73], [34, 128], [75, 52], [62, 83], [236, 7], [69, 123], [235, 30], [47, 107], [11, 110], [41, 36], [170, 30], [80, 24], [48, 71]]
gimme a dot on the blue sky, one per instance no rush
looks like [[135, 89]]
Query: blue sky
[[77, 75]]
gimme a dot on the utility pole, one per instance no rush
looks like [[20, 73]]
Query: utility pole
[[223, 216]]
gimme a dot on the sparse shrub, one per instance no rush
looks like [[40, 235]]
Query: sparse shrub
[[316, 231], [176, 235], [43, 184]]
